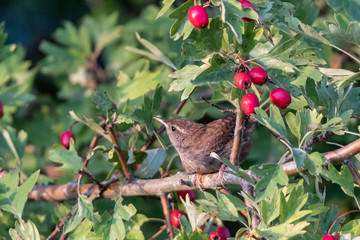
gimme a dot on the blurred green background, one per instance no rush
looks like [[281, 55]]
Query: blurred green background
[[35, 24]]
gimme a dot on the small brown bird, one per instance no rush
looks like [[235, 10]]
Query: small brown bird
[[195, 141]]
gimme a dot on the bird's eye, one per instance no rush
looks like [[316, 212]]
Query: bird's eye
[[173, 128]]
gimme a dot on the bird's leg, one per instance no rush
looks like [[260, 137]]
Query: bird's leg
[[198, 181], [220, 175]]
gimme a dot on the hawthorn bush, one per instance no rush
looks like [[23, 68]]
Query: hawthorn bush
[[119, 179]]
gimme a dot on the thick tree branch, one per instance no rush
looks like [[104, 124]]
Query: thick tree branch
[[181, 181]]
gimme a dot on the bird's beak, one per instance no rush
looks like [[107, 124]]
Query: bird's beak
[[161, 120]]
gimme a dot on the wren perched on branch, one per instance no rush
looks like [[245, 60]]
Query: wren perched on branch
[[195, 141]]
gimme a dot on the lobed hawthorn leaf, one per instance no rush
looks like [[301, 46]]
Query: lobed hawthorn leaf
[[270, 207], [275, 122], [203, 43], [182, 26], [166, 5], [224, 206], [143, 81], [196, 217], [343, 178], [103, 103], [283, 231], [184, 78], [273, 177], [232, 12], [134, 225], [291, 205], [352, 228], [68, 158], [104, 29]]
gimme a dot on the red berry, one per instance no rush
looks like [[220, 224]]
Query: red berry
[[198, 16], [1, 110], [175, 218], [223, 232], [328, 237], [137, 166], [65, 138], [242, 80], [182, 194], [258, 76], [214, 236], [244, 4], [249, 102], [280, 97]]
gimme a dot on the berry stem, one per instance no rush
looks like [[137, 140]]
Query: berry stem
[[342, 215], [256, 64]]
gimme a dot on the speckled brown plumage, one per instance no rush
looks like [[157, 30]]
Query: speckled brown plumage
[[195, 141]]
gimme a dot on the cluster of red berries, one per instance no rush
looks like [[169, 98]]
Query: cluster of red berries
[[279, 96], [198, 16], [221, 233]]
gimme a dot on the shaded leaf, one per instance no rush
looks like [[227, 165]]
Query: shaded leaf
[[150, 166], [68, 158]]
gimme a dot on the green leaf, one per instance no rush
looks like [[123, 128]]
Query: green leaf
[[275, 122], [182, 27], [183, 80], [283, 231], [84, 232], [68, 158], [27, 230], [232, 12], [73, 52], [16, 143], [352, 227], [154, 54], [167, 4], [236, 171], [74, 220], [343, 178], [290, 207], [86, 209], [113, 227], [143, 81], [203, 44], [15, 95], [91, 124], [225, 206], [12, 196], [103, 103], [153, 161], [196, 217], [104, 29], [270, 207], [273, 176]]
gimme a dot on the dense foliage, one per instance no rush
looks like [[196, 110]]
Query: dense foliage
[[104, 81]]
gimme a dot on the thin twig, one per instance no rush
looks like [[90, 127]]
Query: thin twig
[[92, 178], [237, 136], [167, 213], [123, 162], [353, 171], [60, 226], [223, 110], [158, 233]]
